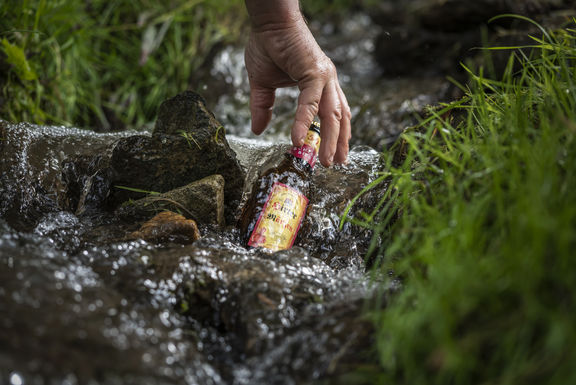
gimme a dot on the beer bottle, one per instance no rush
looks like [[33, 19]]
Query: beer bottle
[[277, 204]]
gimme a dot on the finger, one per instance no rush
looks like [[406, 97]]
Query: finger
[[330, 113], [261, 102], [345, 134], [308, 103]]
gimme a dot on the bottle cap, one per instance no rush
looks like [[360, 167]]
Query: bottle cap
[[315, 126]]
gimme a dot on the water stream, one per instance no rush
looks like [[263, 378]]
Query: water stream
[[81, 304]]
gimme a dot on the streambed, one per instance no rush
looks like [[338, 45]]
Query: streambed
[[82, 304]]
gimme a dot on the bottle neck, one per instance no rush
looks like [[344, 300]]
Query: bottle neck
[[308, 151]]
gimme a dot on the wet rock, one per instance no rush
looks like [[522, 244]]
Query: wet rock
[[255, 297], [46, 169], [202, 200], [188, 144], [87, 181], [187, 112], [167, 226], [68, 319], [337, 338], [119, 311], [322, 232], [31, 180]]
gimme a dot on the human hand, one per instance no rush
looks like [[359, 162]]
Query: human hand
[[282, 52]]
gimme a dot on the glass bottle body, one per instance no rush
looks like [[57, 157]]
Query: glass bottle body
[[272, 215], [278, 201]]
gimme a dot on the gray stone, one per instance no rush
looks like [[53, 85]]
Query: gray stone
[[187, 112], [202, 200], [188, 144]]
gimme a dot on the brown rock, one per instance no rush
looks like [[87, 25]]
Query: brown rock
[[202, 200], [168, 226]]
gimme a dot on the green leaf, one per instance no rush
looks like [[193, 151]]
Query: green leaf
[[133, 189], [16, 57]]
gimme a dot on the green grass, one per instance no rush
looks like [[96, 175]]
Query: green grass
[[105, 64], [479, 224]]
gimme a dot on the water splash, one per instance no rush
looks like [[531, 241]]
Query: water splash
[[202, 313]]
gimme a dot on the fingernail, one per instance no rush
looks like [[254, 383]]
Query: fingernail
[[301, 141]]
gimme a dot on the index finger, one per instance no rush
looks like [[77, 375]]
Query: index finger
[[308, 106]]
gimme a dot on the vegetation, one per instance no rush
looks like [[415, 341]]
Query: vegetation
[[108, 65], [105, 64], [479, 224]]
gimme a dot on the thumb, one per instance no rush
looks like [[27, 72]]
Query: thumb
[[261, 102]]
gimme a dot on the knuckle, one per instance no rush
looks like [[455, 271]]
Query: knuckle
[[329, 69], [310, 105], [322, 68], [334, 114], [346, 113], [337, 114]]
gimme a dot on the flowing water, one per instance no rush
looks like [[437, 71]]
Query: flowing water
[[81, 304]]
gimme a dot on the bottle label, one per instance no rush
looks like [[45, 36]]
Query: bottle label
[[280, 219], [309, 149]]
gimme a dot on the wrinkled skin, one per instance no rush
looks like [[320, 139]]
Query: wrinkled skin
[[282, 52]]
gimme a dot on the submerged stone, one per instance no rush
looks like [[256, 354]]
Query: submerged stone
[[255, 298]]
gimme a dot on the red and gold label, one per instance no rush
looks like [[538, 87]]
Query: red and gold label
[[280, 219]]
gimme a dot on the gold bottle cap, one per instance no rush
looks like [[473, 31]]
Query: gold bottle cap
[[315, 126]]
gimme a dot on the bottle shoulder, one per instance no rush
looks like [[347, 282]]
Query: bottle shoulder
[[292, 176], [292, 164]]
